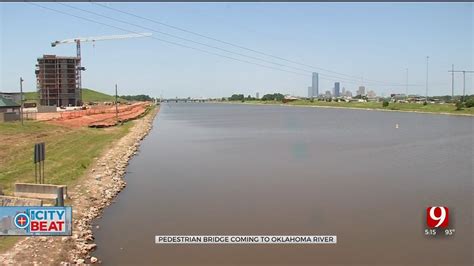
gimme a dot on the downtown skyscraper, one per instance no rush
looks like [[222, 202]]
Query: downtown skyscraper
[[313, 91], [337, 89]]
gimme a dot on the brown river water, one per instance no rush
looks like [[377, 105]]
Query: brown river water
[[223, 169]]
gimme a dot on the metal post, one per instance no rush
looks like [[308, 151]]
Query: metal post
[[116, 103], [426, 93], [21, 100], [42, 176], [39, 172], [464, 86], [406, 84], [452, 82]]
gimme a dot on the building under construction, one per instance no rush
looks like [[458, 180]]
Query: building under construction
[[58, 80]]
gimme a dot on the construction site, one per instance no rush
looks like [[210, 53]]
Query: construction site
[[59, 92], [96, 116]]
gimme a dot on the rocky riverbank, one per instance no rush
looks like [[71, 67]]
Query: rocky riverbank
[[103, 181]]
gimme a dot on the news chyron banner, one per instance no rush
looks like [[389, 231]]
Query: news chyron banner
[[35, 221], [245, 239]]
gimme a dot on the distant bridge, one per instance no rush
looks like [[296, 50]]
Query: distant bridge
[[185, 100]]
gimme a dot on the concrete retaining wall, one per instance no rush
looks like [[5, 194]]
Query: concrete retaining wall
[[39, 191], [16, 201]]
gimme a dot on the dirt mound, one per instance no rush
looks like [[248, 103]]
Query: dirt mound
[[104, 116]]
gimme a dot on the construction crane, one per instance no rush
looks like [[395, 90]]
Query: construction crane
[[93, 39]]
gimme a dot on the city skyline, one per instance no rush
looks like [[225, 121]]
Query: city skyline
[[147, 66]]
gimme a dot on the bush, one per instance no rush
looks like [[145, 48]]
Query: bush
[[385, 103], [469, 103], [425, 103], [459, 105]]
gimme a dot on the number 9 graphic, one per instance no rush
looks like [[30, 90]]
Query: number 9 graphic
[[437, 217]]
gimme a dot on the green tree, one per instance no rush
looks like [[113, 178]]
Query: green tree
[[140, 97], [459, 105], [273, 97], [469, 103], [236, 97]]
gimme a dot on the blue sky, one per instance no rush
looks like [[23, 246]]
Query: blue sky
[[376, 41]]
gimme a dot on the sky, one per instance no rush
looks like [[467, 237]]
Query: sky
[[366, 41]]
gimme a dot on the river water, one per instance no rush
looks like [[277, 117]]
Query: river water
[[223, 169]]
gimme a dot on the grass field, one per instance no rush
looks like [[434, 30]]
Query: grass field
[[88, 95], [69, 152], [430, 108]]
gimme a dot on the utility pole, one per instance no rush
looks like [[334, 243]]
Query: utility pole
[[464, 81], [426, 93], [452, 82], [116, 103], [463, 85], [21, 100], [406, 84]]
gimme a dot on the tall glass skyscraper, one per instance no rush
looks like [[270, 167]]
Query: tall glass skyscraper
[[315, 85], [337, 89]]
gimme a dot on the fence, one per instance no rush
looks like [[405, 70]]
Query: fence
[[29, 115]]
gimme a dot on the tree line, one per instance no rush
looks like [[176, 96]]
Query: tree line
[[266, 97], [140, 97]]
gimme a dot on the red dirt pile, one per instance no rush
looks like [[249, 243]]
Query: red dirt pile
[[104, 116]]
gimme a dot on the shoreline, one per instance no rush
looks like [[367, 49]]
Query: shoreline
[[350, 108], [96, 190]]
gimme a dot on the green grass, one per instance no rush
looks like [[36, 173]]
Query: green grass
[[31, 96], [430, 108], [88, 95], [69, 152], [7, 242]]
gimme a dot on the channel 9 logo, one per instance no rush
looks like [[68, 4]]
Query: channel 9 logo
[[438, 222], [437, 217]]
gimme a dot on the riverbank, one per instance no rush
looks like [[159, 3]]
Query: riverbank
[[442, 109], [92, 190]]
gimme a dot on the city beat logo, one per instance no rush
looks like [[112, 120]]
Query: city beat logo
[[41, 220], [437, 217]]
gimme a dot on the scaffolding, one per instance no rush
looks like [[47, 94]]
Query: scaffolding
[[57, 80]]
